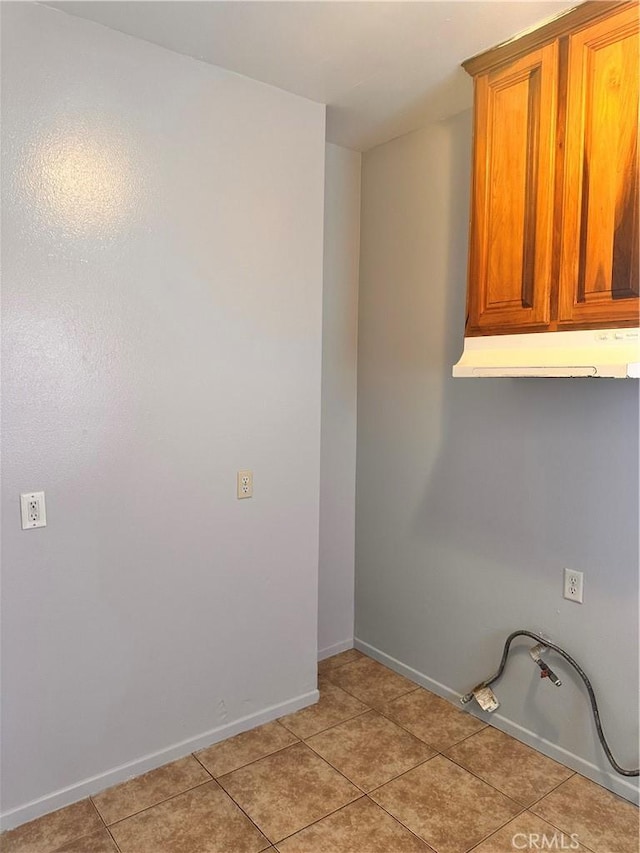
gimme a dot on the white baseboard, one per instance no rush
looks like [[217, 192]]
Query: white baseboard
[[335, 649], [618, 784], [87, 787]]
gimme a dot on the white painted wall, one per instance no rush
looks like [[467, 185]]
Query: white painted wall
[[162, 265], [339, 400], [473, 495]]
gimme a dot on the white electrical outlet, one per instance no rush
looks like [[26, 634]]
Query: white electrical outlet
[[33, 510], [245, 484], [573, 585]]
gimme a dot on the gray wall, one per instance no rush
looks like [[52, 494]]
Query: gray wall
[[339, 400], [162, 306], [473, 495]]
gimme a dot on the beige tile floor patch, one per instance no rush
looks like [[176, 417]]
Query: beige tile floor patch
[[370, 749], [602, 821], [147, 790], [341, 659], [518, 771], [203, 820], [288, 790], [48, 833], [530, 834], [434, 720], [449, 808], [235, 752], [371, 682], [334, 707], [98, 842], [361, 827]]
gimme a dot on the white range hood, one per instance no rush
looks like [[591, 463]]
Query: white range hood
[[609, 353]]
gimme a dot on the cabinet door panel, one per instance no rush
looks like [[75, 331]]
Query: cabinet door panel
[[599, 269], [512, 215]]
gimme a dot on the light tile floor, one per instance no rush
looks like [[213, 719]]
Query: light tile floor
[[379, 765]]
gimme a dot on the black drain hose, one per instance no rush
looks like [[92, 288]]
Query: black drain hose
[[583, 676]]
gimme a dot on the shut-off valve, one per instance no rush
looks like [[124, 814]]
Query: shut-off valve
[[545, 671], [487, 699]]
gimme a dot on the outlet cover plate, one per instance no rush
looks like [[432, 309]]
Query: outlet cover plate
[[245, 484], [573, 585], [33, 510]]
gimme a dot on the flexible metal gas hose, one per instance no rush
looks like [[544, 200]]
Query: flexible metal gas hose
[[583, 676]]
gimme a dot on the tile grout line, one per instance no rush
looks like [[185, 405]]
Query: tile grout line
[[366, 657], [562, 831], [162, 802], [400, 775], [493, 831], [318, 820], [333, 725], [558, 828], [555, 788], [398, 821], [273, 843], [115, 843], [526, 745], [76, 837], [550, 822], [473, 734], [527, 809], [432, 746], [322, 758], [253, 761], [490, 784], [159, 802], [340, 665], [399, 696], [482, 779], [224, 790], [522, 809], [327, 673], [387, 716], [405, 729], [377, 787]]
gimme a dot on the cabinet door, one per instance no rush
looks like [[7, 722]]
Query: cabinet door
[[513, 195], [599, 269]]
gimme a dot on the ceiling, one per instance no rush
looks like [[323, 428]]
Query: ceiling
[[382, 68]]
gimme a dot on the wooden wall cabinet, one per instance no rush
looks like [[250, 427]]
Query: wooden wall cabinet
[[554, 218]]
